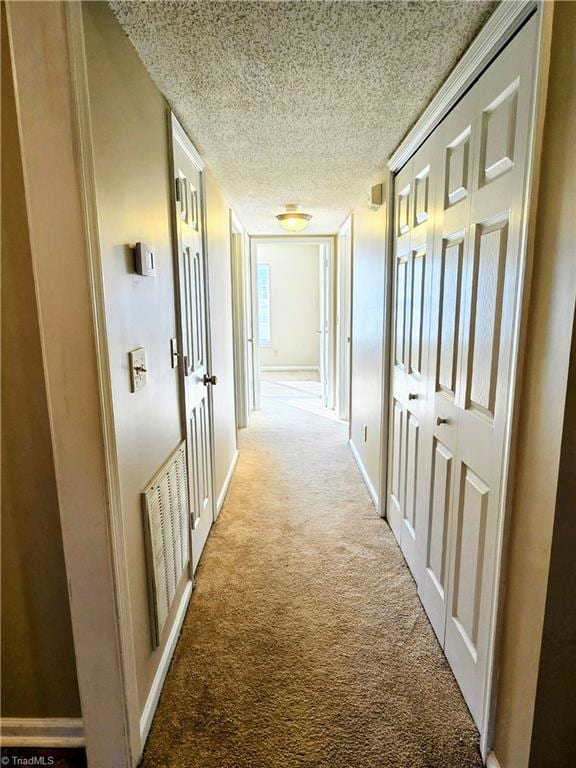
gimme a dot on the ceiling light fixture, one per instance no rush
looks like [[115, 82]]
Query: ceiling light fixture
[[292, 220]]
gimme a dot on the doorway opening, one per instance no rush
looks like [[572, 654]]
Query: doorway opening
[[295, 323]]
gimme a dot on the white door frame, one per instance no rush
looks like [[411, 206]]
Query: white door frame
[[499, 30], [239, 308], [344, 320], [329, 242]]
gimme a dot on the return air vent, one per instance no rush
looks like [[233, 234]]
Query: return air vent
[[166, 515]]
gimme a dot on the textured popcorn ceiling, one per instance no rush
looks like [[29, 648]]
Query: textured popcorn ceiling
[[299, 102]]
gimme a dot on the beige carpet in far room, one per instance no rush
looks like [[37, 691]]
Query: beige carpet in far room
[[305, 643]]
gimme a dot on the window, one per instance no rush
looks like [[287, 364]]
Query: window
[[263, 283]]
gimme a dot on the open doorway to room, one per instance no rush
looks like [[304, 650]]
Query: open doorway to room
[[294, 316]]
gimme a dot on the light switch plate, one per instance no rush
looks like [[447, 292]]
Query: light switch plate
[[138, 369], [174, 352]]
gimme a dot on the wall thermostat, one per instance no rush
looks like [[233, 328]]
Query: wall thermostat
[[144, 260]]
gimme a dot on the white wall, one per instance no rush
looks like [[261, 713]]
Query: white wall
[[294, 280], [368, 254]]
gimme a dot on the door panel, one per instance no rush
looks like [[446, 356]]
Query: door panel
[[400, 309], [449, 315], [469, 556], [434, 582], [396, 473], [486, 315], [415, 342], [408, 535]]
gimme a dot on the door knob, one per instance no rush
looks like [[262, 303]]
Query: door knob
[[440, 421], [412, 396], [209, 379]]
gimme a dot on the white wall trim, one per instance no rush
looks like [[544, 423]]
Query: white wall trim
[[289, 368], [42, 732], [385, 459], [504, 22], [492, 761], [239, 326], [363, 472], [160, 676], [179, 134], [227, 481]]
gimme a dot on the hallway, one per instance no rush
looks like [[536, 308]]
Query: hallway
[[305, 643]]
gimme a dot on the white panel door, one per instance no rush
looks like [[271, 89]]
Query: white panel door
[[411, 291], [193, 344], [490, 301], [457, 289], [452, 143]]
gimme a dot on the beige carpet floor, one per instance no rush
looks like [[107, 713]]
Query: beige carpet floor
[[305, 643]]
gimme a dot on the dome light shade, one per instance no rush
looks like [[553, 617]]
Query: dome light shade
[[292, 220]]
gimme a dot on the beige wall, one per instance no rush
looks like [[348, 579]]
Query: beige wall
[[220, 275], [368, 252], [295, 311], [550, 319], [38, 666], [131, 156], [131, 153]]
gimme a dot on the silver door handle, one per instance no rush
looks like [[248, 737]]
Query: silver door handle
[[209, 379], [412, 396], [440, 421]]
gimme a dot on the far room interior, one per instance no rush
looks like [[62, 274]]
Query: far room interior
[[293, 309]]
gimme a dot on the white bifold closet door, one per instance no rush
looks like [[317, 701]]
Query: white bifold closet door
[[457, 291]]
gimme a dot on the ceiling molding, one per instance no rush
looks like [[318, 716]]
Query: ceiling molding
[[180, 135], [500, 27]]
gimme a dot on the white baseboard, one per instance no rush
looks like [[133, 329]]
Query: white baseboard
[[158, 682], [362, 468], [227, 481], [64, 732], [492, 761], [289, 368]]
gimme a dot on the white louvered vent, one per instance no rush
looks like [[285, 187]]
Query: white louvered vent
[[166, 514]]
